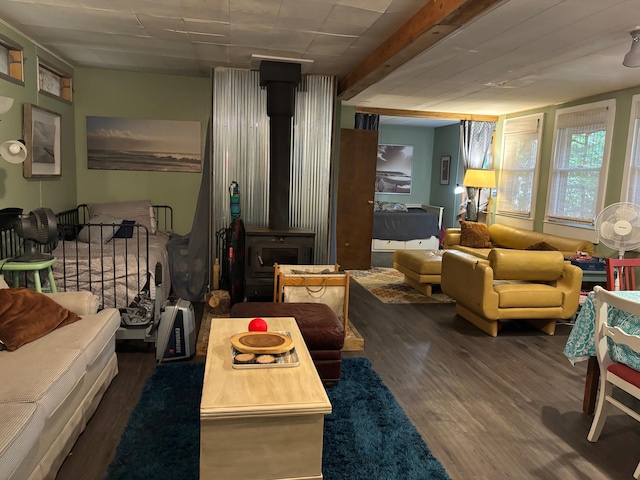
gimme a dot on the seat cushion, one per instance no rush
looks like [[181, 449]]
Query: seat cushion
[[527, 295], [20, 426], [626, 373], [50, 376], [423, 262], [320, 327], [90, 335]]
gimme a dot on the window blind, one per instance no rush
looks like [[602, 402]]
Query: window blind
[[576, 180], [521, 140]]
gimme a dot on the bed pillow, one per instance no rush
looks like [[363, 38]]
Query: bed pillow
[[390, 207], [26, 315], [140, 211], [126, 230], [94, 233], [475, 235], [541, 246]]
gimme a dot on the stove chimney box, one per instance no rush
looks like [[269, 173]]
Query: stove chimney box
[[280, 79]]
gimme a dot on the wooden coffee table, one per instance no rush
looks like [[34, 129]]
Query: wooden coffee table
[[260, 423]]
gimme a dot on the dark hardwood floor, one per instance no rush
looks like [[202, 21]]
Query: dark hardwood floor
[[489, 408]]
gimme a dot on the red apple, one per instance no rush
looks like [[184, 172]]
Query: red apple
[[257, 325]]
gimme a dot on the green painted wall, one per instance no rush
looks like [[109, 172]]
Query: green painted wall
[[57, 193], [111, 93], [422, 141], [446, 143], [618, 148]]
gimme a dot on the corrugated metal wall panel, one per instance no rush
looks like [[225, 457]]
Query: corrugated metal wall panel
[[240, 152]]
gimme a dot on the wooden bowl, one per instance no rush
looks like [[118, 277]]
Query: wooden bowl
[[262, 343]]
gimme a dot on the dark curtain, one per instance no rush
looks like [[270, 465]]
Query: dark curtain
[[189, 254], [367, 121]]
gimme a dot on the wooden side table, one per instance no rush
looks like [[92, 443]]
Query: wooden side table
[[6, 265]]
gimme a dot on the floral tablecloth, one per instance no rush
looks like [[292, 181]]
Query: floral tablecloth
[[581, 342]]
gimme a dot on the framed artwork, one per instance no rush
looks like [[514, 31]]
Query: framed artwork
[[445, 165], [115, 143], [41, 135], [393, 169]]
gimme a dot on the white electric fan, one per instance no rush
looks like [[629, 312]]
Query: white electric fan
[[618, 227]]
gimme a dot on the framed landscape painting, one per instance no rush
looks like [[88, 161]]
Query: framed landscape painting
[[115, 143], [393, 169], [41, 134]]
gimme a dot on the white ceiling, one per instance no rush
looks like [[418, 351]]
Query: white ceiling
[[520, 55], [415, 122]]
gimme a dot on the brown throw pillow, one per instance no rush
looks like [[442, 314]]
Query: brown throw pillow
[[26, 315], [542, 246], [473, 234]]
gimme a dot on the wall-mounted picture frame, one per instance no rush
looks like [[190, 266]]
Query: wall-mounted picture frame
[[116, 143], [394, 169], [41, 135], [445, 166]]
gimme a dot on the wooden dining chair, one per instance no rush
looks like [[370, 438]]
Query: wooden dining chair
[[624, 269], [611, 372]]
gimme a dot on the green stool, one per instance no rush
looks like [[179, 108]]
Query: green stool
[[6, 265]]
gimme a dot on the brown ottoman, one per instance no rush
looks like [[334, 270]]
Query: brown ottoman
[[320, 327], [421, 268]]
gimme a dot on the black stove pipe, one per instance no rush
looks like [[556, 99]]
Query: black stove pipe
[[281, 79]]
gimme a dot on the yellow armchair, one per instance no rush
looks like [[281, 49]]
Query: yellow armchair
[[539, 287]]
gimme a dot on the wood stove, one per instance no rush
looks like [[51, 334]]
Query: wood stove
[[264, 247], [277, 243]]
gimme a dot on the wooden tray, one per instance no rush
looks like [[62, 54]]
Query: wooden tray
[[261, 343]]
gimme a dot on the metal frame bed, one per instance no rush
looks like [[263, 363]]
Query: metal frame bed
[[419, 229], [116, 270]]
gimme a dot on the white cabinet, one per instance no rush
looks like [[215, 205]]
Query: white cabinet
[[392, 245]]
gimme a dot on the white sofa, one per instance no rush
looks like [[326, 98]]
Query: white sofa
[[50, 387]]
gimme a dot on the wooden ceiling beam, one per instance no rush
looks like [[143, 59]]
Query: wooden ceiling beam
[[433, 22], [394, 112]]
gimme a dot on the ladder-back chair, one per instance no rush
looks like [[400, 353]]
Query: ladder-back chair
[[624, 270], [612, 372]]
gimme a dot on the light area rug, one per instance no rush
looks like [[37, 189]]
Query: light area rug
[[387, 285]]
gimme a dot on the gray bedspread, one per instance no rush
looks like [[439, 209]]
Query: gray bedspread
[[404, 226]]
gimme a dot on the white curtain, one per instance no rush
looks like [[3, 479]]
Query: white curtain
[[475, 141], [240, 152]]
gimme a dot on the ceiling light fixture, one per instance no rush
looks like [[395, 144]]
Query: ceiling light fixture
[[632, 58]]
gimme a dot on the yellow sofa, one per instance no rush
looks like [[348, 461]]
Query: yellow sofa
[[538, 287], [504, 236]]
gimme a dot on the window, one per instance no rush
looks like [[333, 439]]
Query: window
[[53, 82], [631, 183], [10, 61], [519, 169], [581, 145]]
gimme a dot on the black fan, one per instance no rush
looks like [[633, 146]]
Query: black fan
[[37, 228]]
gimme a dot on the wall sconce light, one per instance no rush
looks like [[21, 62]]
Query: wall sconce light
[[632, 58], [13, 151], [5, 104]]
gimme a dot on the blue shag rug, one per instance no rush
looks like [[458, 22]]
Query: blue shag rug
[[367, 436]]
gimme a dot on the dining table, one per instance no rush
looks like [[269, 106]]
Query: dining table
[[581, 343]]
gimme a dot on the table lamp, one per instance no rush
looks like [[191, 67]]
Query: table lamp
[[479, 178]]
